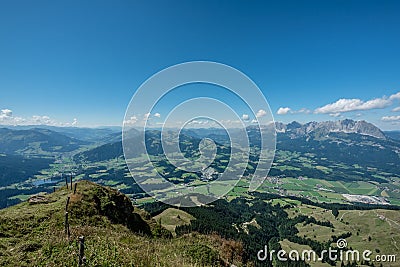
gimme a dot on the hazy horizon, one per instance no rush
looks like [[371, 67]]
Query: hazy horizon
[[120, 127]]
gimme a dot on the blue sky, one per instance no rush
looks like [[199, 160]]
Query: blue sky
[[83, 60]]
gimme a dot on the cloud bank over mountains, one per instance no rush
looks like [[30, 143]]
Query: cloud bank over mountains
[[344, 105], [7, 118]]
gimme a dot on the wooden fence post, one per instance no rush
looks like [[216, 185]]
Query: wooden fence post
[[66, 181], [75, 187], [82, 258], [67, 232], [70, 182], [66, 204]]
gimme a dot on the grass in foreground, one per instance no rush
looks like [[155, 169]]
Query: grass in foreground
[[116, 234]]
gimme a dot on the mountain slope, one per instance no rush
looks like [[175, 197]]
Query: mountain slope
[[85, 134], [334, 143], [221, 234], [116, 233], [15, 168], [323, 144], [188, 145], [393, 134], [326, 127], [347, 148], [36, 141]]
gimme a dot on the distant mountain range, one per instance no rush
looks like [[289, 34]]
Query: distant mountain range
[[344, 150], [36, 141], [82, 133], [113, 133], [22, 139], [326, 127], [346, 141]]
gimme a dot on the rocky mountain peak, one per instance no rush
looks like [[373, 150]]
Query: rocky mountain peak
[[345, 126]]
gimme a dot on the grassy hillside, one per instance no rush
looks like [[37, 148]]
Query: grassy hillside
[[377, 230], [224, 233], [36, 142], [116, 233], [171, 218], [372, 229]]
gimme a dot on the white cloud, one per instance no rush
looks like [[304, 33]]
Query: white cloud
[[303, 110], [7, 118], [395, 96], [42, 120], [283, 111], [131, 121], [347, 105], [375, 103], [231, 123], [5, 113], [199, 122], [146, 116], [245, 117], [342, 105], [261, 113], [158, 115], [287, 110], [254, 121], [139, 120], [391, 118]]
